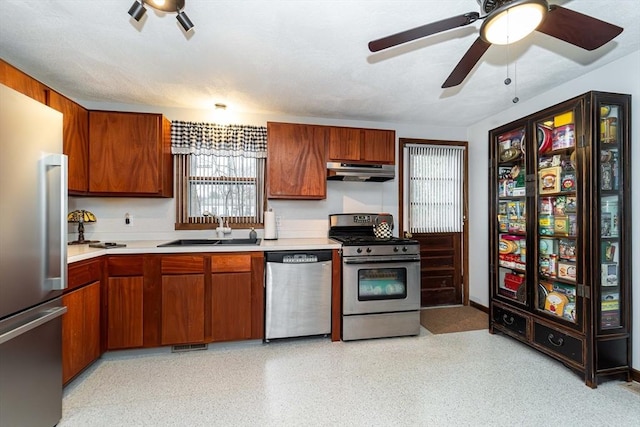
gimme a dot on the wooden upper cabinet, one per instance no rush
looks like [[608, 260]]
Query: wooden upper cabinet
[[76, 140], [344, 143], [296, 165], [23, 83], [361, 145], [129, 154], [379, 146]]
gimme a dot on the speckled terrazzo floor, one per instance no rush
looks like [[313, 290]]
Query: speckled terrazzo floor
[[460, 379]]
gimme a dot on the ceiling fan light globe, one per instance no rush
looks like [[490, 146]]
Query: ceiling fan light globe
[[513, 21]]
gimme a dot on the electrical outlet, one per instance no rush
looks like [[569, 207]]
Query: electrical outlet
[[278, 220], [128, 219]]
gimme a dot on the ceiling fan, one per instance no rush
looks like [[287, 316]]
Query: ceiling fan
[[507, 21]]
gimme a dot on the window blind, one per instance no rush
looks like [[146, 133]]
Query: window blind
[[435, 188]]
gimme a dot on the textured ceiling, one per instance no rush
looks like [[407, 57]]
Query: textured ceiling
[[294, 57]]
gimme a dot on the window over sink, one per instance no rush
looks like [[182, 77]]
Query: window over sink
[[219, 174]]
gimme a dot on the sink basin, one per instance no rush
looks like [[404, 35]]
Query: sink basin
[[239, 242], [210, 242]]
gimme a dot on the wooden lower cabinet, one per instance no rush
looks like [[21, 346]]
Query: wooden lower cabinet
[[124, 312], [174, 299], [237, 296], [80, 330], [231, 306], [183, 299]]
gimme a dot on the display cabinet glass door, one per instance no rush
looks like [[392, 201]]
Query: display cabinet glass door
[[556, 290], [611, 192], [511, 216]]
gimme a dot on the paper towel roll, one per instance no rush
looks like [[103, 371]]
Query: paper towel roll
[[270, 230]]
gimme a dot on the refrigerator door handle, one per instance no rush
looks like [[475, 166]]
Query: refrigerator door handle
[[55, 257], [23, 329]]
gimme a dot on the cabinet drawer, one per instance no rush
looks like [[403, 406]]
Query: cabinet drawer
[[126, 265], [182, 264], [81, 273], [511, 321], [230, 263], [558, 342]]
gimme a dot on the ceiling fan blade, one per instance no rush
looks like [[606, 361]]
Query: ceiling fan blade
[[581, 30], [423, 31], [466, 64]]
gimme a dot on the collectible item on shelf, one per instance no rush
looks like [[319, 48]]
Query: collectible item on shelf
[[550, 179]]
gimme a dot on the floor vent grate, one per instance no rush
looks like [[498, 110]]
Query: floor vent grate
[[188, 347]]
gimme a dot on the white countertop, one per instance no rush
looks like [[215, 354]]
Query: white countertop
[[81, 252]]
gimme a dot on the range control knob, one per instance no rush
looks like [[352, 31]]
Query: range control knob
[[395, 249], [405, 249], [359, 250], [368, 250]]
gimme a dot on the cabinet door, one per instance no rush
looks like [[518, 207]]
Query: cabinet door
[[231, 306], [80, 330], [23, 83], [76, 140], [124, 312], [344, 144], [296, 165], [379, 146], [611, 153], [72, 342], [509, 225], [557, 202], [182, 309], [125, 153]]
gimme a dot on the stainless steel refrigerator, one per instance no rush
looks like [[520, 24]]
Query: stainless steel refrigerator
[[33, 260]]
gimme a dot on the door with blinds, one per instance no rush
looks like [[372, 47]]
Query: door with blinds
[[433, 210]]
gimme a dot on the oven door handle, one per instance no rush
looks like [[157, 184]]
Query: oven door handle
[[380, 260]]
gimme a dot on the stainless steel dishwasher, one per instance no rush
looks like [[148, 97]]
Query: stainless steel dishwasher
[[298, 294]]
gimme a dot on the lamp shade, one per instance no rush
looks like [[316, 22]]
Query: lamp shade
[[81, 216], [513, 21]]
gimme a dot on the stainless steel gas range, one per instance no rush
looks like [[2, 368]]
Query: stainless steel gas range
[[380, 278]]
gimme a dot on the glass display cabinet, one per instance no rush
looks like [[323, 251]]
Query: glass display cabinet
[[559, 255]]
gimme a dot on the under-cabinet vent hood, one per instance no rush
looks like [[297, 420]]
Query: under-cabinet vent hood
[[360, 172]]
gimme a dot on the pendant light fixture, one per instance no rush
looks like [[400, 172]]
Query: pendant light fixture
[[513, 21], [138, 10]]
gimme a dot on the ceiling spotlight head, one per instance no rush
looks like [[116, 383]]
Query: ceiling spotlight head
[[513, 21], [137, 10], [184, 21]]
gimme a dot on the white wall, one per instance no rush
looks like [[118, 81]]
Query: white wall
[[620, 76], [154, 218]]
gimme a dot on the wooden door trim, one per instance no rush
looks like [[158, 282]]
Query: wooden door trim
[[403, 142]]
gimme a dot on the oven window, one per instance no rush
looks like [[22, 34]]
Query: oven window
[[382, 283]]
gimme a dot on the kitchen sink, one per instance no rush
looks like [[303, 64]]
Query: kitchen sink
[[210, 242], [238, 242]]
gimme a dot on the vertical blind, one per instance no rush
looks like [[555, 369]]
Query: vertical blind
[[435, 188]]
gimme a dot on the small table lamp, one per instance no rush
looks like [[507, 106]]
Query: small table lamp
[[81, 216]]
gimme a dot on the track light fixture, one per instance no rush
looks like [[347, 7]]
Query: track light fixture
[[138, 10]]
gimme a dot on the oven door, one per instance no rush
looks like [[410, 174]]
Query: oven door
[[380, 284]]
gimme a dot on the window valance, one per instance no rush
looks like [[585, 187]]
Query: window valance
[[219, 140]]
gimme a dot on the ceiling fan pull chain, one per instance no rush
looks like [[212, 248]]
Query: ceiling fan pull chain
[[515, 82], [507, 81]]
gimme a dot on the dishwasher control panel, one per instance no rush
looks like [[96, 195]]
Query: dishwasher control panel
[[299, 258]]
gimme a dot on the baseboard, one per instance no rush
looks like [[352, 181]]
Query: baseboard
[[479, 306], [635, 375]]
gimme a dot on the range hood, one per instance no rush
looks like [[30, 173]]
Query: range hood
[[360, 172]]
